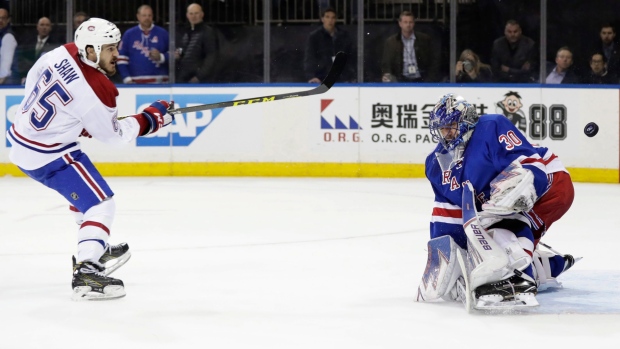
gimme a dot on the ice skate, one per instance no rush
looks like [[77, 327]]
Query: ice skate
[[114, 257], [542, 265], [516, 291], [89, 283]]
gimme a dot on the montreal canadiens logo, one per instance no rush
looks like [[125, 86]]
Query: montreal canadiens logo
[[91, 28]]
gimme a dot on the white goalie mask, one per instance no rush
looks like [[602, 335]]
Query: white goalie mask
[[95, 32]]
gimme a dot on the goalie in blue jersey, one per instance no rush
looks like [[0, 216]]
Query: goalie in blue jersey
[[520, 190]]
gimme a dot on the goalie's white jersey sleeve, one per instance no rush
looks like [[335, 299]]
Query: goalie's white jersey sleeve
[[64, 96]]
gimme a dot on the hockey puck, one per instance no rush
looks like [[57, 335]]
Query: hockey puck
[[591, 129]]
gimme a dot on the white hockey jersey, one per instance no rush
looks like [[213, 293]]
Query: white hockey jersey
[[63, 96]]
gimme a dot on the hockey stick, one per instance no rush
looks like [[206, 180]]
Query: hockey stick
[[328, 82]]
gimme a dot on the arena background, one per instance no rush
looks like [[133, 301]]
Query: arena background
[[293, 138]]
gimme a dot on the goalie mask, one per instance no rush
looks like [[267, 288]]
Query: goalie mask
[[95, 32], [452, 122]]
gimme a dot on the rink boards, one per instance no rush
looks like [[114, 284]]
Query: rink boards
[[363, 131]]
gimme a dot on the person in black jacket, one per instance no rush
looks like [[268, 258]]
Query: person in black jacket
[[321, 49], [198, 56], [599, 74], [33, 46], [514, 57]]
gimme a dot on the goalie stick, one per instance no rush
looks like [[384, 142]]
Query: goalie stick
[[333, 75]]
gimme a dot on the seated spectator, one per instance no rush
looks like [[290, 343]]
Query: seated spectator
[[322, 46], [198, 55], [610, 48], [598, 73], [143, 51], [33, 46], [78, 18], [408, 55], [563, 72], [514, 57], [9, 74], [470, 69]]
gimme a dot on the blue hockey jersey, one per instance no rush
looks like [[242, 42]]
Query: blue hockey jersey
[[133, 59], [494, 144]]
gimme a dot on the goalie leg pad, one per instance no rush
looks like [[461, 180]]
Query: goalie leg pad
[[442, 270], [489, 261]]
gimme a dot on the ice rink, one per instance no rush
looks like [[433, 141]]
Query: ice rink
[[284, 263]]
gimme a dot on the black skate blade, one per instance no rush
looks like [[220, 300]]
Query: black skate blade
[[112, 265]]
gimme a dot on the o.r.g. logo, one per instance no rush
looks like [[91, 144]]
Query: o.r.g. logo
[[186, 127]]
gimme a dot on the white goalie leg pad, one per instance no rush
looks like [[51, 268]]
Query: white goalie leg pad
[[542, 270], [514, 247], [489, 263], [441, 272], [512, 191]]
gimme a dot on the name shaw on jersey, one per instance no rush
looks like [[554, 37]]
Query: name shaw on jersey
[[66, 71]]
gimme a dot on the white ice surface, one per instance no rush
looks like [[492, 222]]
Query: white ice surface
[[284, 263]]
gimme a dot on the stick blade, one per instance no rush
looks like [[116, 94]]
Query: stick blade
[[337, 67]]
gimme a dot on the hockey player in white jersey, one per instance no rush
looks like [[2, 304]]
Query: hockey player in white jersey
[[68, 94], [495, 196]]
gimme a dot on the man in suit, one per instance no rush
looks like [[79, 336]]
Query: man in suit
[[408, 56], [33, 47], [563, 72]]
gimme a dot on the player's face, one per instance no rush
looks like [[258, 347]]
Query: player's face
[[108, 57], [597, 64], [145, 17], [607, 35], [406, 24], [449, 132], [329, 21], [512, 33]]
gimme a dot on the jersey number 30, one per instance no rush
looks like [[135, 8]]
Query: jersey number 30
[[44, 111]]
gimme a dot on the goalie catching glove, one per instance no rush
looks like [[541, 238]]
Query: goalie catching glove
[[154, 117], [512, 191]]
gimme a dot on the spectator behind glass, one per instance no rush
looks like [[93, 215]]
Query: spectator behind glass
[[33, 46], [322, 46], [9, 74], [610, 48], [198, 55], [78, 18], [598, 73], [470, 69], [514, 57], [563, 72], [143, 51], [408, 56]]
